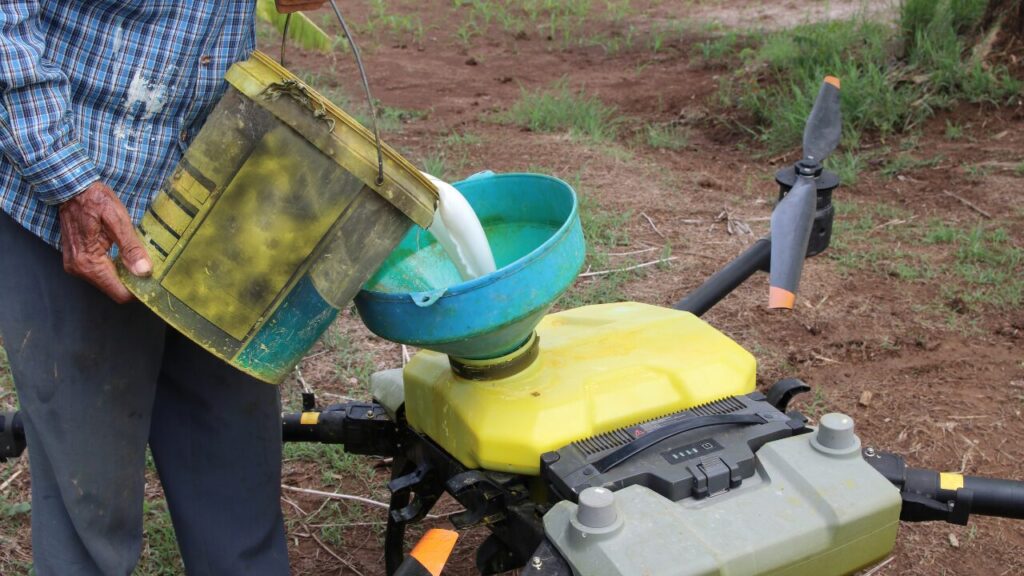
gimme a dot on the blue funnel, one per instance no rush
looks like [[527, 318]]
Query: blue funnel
[[418, 298]]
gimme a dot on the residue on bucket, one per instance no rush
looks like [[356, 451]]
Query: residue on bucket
[[460, 233]]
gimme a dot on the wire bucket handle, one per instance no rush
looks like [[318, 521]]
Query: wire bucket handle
[[362, 74]]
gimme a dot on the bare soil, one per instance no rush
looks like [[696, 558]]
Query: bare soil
[[946, 377]]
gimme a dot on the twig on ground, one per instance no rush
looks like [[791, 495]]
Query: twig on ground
[[335, 554], [302, 381], [634, 252], [312, 534], [628, 268], [651, 222], [7, 482], [335, 496], [968, 203], [339, 496], [879, 567], [405, 355]]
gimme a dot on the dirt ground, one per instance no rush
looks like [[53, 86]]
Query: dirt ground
[[944, 369]]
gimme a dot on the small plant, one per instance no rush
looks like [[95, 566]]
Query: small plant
[[559, 109], [1019, 169], [848, 165], [160, 556], [905, 163], [954, 131], [719, 49], [666, 136]]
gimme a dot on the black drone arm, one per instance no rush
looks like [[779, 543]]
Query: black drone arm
[[929, 495]]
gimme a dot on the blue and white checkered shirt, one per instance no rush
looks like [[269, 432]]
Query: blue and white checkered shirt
[[108, 90]]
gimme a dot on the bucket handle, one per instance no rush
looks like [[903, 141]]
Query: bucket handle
[[362, 74]]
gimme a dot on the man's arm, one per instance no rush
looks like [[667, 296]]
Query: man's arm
[[38, 138]]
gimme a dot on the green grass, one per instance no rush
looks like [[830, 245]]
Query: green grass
[[6, 381], [1019, 169], [977, 266], [882, 93], [332, 462], [402, 27], [160, 555], [666, 136], [954, 131], [848, 165], [903, 163], [561, 109], [990, 268], [605, 231], [721, 49], [349, 361]]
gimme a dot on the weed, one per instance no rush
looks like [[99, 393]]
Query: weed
[[818, 404], [976, 173], [6, 381], [559, 109], [1019, 169], [160, 556], [350, 362], [603, 228], [666, 136], [848, 165], [954, 131], [719, 49], [905, 163], [880, 93], [332, 462], [446, 164], [456, 139]]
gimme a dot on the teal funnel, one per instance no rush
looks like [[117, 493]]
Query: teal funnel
[[418, 298]]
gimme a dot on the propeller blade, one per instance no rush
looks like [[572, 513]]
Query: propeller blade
[[825, 124], [430, 554], [792, 222]]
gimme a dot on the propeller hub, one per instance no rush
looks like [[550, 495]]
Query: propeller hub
[[809, 167]]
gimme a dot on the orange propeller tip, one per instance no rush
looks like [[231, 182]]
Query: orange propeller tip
[[780, 298], [434, 548], [833, 81]]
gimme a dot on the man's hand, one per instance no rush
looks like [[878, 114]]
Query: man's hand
[[90, 224], [288, 6]]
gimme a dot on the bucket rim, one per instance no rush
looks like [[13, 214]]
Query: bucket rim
[[515, 266]]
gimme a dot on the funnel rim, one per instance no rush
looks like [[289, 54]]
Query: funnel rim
[[514, 267]]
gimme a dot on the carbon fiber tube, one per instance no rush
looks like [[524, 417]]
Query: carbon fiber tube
[[754, 259]]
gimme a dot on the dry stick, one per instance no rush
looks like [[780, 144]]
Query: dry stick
[[644, 251], [312, 534], [628, 268], [879, 567], [339, 496], [11, 479], [651, 222], [968, 203]]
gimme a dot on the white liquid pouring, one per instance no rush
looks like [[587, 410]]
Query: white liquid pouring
[[460, 233]]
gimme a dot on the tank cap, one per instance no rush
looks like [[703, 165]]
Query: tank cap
[[597, 508], [835, 435]]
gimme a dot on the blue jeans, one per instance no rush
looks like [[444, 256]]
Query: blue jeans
[[97, 382]]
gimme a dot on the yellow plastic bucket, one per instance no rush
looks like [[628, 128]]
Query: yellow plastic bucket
[[272, 221]]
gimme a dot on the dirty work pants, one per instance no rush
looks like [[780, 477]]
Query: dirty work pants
[[97, 382]]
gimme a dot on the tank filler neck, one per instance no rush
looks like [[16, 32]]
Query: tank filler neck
[[501, 367]]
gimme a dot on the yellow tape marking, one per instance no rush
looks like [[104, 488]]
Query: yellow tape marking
[[310, 418], [951, 481]]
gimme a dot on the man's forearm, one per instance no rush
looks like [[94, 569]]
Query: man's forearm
[[36, 132]]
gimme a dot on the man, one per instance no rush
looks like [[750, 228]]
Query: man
[[98, 100]]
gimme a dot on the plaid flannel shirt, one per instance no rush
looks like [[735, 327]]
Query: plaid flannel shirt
[[108, 90]]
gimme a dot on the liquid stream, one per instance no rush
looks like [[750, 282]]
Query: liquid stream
[[458, 230]]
